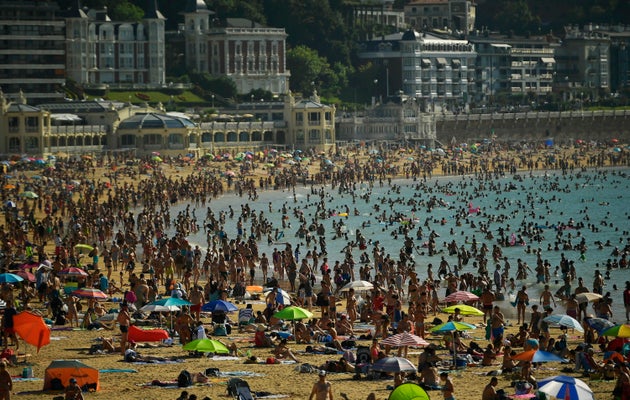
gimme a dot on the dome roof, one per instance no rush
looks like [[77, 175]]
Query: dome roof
[[195, 6], [410, 35], [155, 121]]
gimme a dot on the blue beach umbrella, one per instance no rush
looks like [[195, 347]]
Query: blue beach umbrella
[[8, 277], [599, 324], [565, 387], [537, 356], [219, 305], [564, 320]]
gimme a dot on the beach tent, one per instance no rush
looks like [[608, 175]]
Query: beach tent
[[63, 370], [408, 391]]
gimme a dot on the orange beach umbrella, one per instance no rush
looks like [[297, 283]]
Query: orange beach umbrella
[[32, 328]]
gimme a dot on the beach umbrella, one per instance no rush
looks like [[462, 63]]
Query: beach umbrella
[[405, 339], [282, 297], [32, 329], [463, 310], [408, 391], [219, 305], [8, 277], [394, 364], [622, 331], [254, 289], [172, 301], [156, 159], [207, 346], [29, 195], [90, 293], [28, 265], [564, 320], [565, 388], [452, 326], [357, 286], [588, 296], [537, 356], [26, 275], [83, 247], [73, 271], [292, 313], [599, 324], [460, 295], [9, 186], [10, 204], [149, 308]]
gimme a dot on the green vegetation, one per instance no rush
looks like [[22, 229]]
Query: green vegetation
[[155, 97]]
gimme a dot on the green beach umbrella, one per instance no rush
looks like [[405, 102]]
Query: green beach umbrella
[[292, 313], [452, 326], [206, 345], [622, 331], [83, 246], [463, 310], [408, 391], [29, 195]]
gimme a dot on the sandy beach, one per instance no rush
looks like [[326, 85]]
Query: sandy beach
[[132, 381]]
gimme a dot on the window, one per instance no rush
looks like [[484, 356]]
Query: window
[[299, 136], [299, 118], [14, 124], [314, 135], [14, 144]]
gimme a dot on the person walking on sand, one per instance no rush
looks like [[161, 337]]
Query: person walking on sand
[[124, 320], [322, 389], [522, 300], [6, 383], [626, 300]]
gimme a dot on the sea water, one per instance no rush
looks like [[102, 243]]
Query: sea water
[[598, 197]]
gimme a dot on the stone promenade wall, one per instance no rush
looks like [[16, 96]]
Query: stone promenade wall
[[563, 127]]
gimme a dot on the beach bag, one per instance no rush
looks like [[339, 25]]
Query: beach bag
[[184, 379], [233, 384]]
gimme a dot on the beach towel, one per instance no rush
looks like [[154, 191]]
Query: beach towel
[[169, 384], [156, 362], [117, 370]]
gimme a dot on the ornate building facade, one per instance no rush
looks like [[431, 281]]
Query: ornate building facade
[[252, 55], [102, 51]]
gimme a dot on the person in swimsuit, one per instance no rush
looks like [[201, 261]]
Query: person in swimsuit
[[124, 320]]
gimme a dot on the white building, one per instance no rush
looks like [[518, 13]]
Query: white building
[[425, 66], [252, 55], [101, 51]]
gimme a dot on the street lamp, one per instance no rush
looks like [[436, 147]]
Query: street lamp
[[213, 101]]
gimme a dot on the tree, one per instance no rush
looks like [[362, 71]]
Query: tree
[[516, 17], [126, 12], [307, 68]]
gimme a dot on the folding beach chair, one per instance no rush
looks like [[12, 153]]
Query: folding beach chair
[[239, 389]]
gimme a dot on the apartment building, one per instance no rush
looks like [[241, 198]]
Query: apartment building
[[32, 50], [104, 52]]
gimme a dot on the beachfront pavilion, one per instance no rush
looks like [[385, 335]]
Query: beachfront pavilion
[[151, 132], [27, 127]]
